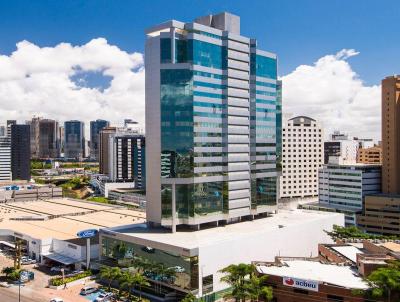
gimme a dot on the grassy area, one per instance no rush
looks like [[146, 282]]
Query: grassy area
[[38, 164], [99, 199]]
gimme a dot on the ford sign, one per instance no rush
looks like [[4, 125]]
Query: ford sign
[[300, 283], [87, 233]]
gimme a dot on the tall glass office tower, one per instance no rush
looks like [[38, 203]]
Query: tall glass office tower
[[210, 123]]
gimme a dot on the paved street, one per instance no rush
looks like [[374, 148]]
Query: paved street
[[8, 295]]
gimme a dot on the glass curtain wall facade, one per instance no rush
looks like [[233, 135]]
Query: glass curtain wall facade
[[74, 144], [95, 128], [217, 117]]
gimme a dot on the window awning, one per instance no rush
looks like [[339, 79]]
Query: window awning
[[62, 258], [11, 245]]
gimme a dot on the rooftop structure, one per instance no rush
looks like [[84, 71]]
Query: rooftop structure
[[331, 274]]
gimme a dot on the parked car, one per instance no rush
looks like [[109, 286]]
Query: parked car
[[104, 297], [88, 290], [58, 269], [148, 249], [56, 300], [26, 261], [178, 269]]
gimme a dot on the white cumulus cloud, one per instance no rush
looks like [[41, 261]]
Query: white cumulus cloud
[[52, 82], [331, 92]]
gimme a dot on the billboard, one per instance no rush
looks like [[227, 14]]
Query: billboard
[[300, 283]]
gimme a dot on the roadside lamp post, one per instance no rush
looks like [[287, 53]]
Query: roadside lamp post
[[19, 287]]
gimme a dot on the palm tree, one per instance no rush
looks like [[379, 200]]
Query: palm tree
[[127, 281], [140, 281], [245, 283], [236, 276], [110, 274]]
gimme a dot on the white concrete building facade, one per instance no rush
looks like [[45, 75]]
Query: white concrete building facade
[[302, 157]]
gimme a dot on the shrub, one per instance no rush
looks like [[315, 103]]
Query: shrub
[[59, 280]]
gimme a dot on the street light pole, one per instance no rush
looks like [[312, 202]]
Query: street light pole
[[19, 287]]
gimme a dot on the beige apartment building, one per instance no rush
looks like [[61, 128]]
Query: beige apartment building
[[372, 155], [391, 134]]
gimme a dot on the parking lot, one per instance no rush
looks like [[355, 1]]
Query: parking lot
[[37, 290]]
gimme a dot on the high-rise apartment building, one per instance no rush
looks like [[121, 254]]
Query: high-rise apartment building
[[391, 135], [371, 155], [104, 139], [210, 123], [279, 124], [95, 128], [9, 124], [74, 139], [20, 152], [302, 156], [127, 157], [5, 158], [45, 140]]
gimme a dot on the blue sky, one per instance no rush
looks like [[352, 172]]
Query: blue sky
[[299, 31]]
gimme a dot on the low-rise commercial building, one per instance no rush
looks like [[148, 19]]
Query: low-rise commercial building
[[48, 228], [199, 255], [309, 280], [343, 187], [380, 214]]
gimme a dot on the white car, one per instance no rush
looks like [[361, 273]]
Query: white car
[[103, 297], [56, 300], [88, 290]]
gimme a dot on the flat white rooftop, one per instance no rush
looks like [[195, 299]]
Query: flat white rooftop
[[348, 251], [343, 276], [211, 236]]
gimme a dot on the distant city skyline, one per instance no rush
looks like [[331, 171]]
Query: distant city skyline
[[331, 71]]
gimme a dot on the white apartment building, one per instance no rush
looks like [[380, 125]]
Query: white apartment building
[[5, 158], [302, 157]]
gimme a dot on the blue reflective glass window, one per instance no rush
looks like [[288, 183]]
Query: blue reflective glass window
[[263, 66], [206, 54], [165, 50], [176, 123]]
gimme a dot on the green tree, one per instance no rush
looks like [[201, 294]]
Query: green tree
[[245, 283], [140, 281], [8, 270], [110, 274], [257, 289], [189, 298], [130, 281], [385, 281], [127, 281], [235, 276]]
